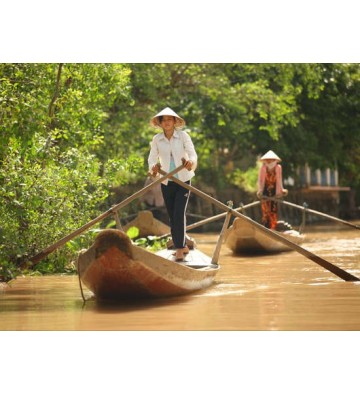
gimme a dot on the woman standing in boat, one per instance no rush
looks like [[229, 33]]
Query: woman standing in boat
[[169, 149], [270, 185]]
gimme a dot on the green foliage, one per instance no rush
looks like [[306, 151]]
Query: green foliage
[[133, 232], [234, 112], [8, 270], [151, 243], [246, 180], [52, 178], [41, 203]]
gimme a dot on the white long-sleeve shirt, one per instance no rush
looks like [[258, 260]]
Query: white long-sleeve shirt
[[180, 146]]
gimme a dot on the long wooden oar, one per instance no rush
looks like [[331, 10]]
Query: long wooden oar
[[315, 212], [308, 254], [112, 211], [215, 218], [219, 216]]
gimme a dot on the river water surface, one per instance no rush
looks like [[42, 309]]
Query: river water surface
[[281, 294], [285, 291]]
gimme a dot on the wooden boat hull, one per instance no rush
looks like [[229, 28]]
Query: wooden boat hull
[[241, 237], [114, 268], [148, 225]]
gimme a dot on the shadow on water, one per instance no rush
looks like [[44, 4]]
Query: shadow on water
[[136, 304]]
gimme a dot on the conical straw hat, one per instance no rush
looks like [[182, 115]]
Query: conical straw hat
[[179, 123], [270, 155]]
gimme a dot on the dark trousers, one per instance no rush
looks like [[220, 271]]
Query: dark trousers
[[176, 199]]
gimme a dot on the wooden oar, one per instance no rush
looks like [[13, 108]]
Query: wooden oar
[[308, 254], [214, 218], [113, 210], [219, 216], [315, 212]]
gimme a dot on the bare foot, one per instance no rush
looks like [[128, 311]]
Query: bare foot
[[179, 254], [185, 250]]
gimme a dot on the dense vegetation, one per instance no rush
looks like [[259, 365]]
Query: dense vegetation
[[71, 133]]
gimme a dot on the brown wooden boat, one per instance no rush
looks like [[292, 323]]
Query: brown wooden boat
[[242, 237], [147, 225], [114, 268]]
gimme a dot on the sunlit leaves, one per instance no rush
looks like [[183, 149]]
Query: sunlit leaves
[[51, 175]]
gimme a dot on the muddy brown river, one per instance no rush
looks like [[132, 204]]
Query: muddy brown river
[[285, 291], [281, 316]]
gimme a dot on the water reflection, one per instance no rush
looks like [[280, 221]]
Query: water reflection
[[283, 291]]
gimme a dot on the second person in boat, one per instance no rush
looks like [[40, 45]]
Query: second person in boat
[[270, 185], [168, 150]]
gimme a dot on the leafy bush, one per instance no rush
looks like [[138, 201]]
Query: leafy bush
[[45, 203], [152, 243]]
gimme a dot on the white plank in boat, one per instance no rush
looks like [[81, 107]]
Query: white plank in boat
[[194, 258]]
